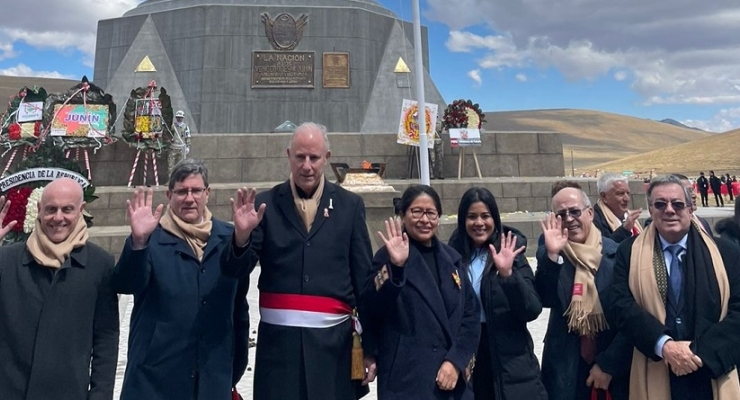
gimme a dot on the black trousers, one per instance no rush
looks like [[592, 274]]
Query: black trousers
[[704, 198], [718, 199]]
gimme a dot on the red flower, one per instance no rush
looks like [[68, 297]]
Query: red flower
[[14, 132], [18, 197]]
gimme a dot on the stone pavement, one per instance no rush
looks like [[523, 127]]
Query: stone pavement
[[537, 329]]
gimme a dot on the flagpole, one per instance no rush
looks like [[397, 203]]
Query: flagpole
[[421, 114]]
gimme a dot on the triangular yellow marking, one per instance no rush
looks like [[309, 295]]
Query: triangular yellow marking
[[145, 66], [401, 66]]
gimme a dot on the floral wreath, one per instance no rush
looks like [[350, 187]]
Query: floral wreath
[[147, 118], [84, 94], [24, 198], [14, 133], [463, 114]]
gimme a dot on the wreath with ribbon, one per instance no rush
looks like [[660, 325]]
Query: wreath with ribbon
[[84, 96], [147, 118], [463, 114], [15, 131]]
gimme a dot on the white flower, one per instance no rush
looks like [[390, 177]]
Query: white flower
[[32, 211]]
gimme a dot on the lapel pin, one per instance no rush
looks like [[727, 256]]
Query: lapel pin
[[326, 213], [456, 278], [331, 203]]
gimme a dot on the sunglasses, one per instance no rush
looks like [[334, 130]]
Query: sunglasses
[[662, 205], [573, 212]]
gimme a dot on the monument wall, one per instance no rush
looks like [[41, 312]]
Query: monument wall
[[231, 66]]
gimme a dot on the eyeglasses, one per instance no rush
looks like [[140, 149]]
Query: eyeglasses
[[662, 205], [418, 213], [573, 212], [196, 192]]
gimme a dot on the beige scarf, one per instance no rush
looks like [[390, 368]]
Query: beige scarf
[[196, 235], [50, 254], [585, 314], [307, 208], [614, 221], [644, 287]]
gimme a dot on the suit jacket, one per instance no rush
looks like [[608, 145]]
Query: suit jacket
[[716, 184], [58, 327], [190, 324], [601, 222], [331, 260], [717, 347], [702, 184], [417, 325], [561, 355]]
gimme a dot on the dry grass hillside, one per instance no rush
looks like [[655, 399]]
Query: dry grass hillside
[[717, 152], [10, 85], [594, 137]]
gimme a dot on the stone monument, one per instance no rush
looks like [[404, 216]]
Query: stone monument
[[245, 66]]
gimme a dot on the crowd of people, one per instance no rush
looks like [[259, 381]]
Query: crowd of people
[[637, 311]]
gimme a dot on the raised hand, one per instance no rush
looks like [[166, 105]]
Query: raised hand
[[3, 213], [556, 237], [397, 243], [245, 216], [504, 259], [143, 220], [631, 217]]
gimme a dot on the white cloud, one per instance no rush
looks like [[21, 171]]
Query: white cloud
[[725, 120], [52, 24], [521, 77], [669, 51], [24, 70], [475, 76]]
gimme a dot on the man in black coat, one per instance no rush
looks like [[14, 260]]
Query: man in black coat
[[573, 279], [310, 238], [703, 185], [612, 215], [58, 310], [716, 185], [677, 298]]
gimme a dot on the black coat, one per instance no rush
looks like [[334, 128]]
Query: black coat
[[331, 260], [716, 184], [561, 356], [190, 324], [702, 184], [417, 325], [58, 328], [728, 229], [718, 347], [509, 304], [601, 222]]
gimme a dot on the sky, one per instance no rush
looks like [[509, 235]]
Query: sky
[[654, 59]]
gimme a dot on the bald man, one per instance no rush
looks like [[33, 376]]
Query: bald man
[[58, 311]]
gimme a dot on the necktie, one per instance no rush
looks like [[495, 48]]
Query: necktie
[[675, 279]]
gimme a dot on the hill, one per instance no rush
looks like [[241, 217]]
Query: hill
[[673, 122], [10, 85], [718, 152], [594, 137]]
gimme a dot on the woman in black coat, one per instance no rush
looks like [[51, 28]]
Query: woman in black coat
[[729, 228], [419, 308], [493, 254]]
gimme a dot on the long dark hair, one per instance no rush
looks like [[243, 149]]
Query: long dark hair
[[460, 240]]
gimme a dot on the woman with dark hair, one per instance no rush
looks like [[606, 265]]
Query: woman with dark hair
[[729, 228], [420, 316], [493, 254]]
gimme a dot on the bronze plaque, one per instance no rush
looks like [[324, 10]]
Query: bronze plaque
[[335, 70], [282, 69]]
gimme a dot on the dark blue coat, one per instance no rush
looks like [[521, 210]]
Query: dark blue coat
[[416, 325], [561, 355], [189, 326]]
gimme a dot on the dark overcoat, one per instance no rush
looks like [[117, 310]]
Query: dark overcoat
[[728, 229], [58, 327], [561, 355], [718, 345], [417, 325], [332, 260], [190, 324]]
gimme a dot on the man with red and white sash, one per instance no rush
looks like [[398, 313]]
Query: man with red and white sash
[[677, 298], [310, 238]]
